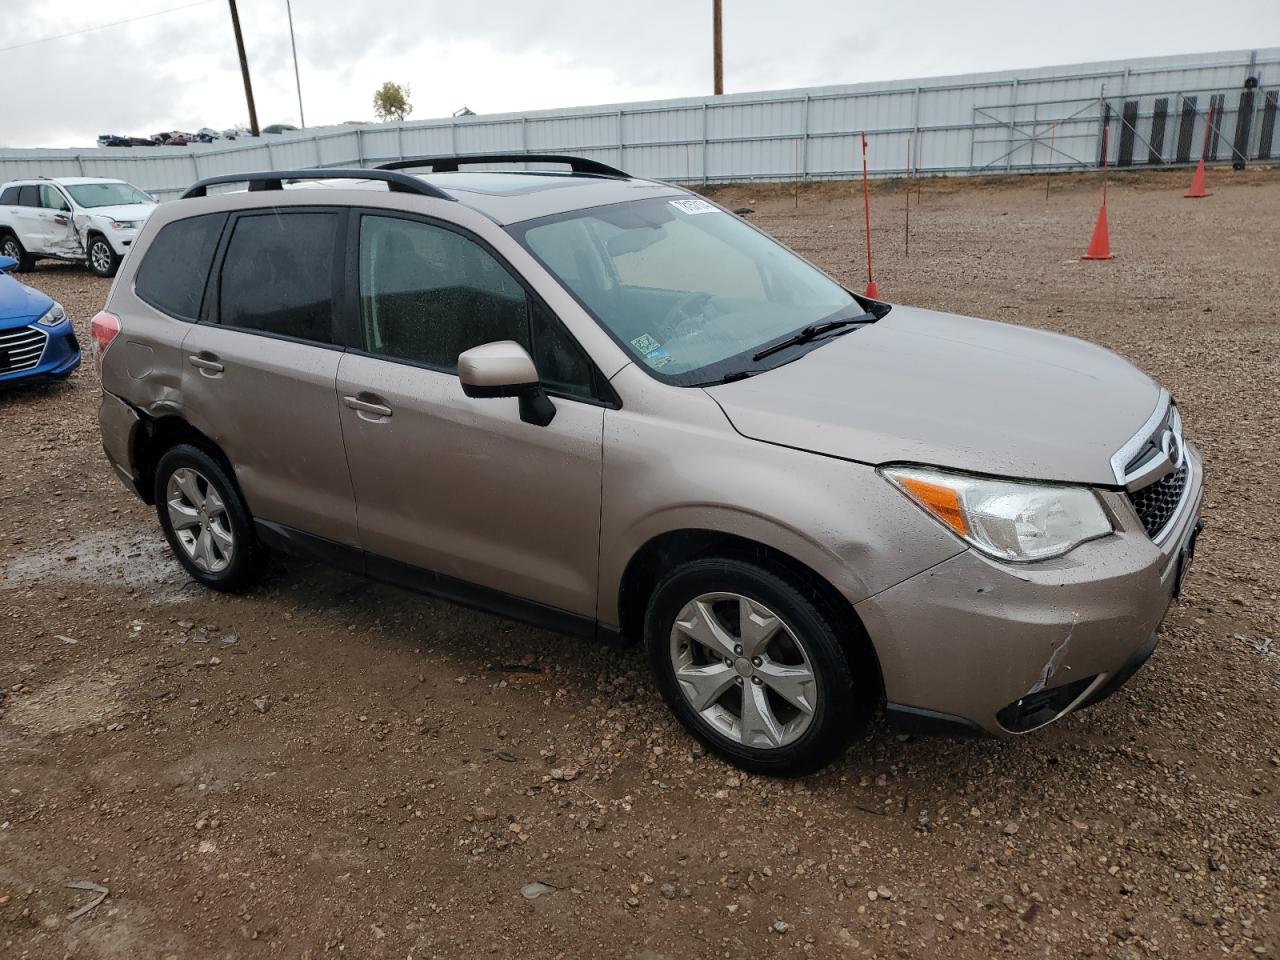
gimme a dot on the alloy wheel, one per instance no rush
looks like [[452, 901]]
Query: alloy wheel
[[199, 518], [100, 254], [10, 248], [744, 670]]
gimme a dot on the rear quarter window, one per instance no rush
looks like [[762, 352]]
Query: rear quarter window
[[9, 197], [176, 265]]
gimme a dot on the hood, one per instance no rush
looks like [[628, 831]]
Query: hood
[[950, 391], [20, 302], [120, 211]]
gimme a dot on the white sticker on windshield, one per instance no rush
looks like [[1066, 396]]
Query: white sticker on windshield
[[692, 205]]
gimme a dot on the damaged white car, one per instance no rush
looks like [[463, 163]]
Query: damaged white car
[[71, 218]]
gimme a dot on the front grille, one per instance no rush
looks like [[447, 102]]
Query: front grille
[[1157, 503], [21, 349]]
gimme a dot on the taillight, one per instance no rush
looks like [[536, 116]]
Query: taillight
[[104, 329]]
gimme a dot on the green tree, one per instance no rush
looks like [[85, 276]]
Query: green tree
[[391, 101]]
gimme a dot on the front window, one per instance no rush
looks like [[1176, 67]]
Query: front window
[[106, 194], [690, 291]]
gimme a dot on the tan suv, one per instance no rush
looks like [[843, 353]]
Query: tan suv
[[607, 406]]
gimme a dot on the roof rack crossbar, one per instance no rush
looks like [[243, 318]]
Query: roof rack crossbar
[[579, 165], [274, 180]]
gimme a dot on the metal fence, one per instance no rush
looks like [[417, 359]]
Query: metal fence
[[1155, 112]]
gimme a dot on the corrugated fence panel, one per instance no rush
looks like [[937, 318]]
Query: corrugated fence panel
[[1045, 118]]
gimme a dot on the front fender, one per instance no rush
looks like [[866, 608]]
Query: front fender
[[685, 468]]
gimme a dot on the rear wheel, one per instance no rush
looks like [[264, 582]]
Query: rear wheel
[[103, 261], [205, 520], [11, 246], [752, 667]]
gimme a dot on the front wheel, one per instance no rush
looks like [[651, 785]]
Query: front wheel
[[205, 520], [753, 667], [103, 261]]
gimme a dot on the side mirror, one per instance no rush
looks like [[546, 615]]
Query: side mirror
[[505, 369], [7, 264]]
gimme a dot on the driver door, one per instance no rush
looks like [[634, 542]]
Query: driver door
[[56, 230]]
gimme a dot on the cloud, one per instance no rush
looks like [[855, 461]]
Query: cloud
[[179, 70]]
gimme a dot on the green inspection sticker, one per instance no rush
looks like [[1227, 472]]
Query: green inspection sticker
[[645, 343]]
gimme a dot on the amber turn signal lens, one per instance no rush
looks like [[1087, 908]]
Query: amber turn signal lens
[[942, 502]]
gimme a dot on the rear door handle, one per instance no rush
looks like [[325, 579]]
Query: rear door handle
[[371, 408], [208, 364]]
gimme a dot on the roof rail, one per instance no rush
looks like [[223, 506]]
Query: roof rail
[[274, 180], [580, 165]]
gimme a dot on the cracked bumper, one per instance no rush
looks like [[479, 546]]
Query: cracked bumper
[[962, 641]]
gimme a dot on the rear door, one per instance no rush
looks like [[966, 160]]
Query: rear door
[[26, 218], [457, 486], [259, 370]]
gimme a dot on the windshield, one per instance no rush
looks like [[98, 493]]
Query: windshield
[[107, 194], [690, 291]]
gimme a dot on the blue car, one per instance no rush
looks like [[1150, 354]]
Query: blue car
[[36, 338]]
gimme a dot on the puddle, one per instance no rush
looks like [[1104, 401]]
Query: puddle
[[105, 558]]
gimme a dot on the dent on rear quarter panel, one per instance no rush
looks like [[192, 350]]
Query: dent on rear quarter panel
[[144, 364]]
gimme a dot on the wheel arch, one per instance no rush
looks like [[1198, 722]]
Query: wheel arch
[[159, 434], [667, 550]]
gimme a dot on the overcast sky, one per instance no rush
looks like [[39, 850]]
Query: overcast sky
[[178, 70]]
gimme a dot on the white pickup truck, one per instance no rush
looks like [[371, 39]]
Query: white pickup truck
[[82, 219]]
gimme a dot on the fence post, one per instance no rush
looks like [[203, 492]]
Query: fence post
[[1013, 117], [705, 123], [622, 146], [915, 131], [804, 142]]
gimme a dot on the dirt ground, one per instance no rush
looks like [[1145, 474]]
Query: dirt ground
[[331, 768]]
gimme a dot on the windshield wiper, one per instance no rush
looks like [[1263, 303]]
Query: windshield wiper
[[812, 332]]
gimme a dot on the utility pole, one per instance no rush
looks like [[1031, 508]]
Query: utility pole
[[244, 69], [302, 120], [717, 35]]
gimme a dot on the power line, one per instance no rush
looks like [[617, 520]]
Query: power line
[[103, 26]]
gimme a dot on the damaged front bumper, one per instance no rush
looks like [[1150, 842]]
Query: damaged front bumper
[[974, 644]]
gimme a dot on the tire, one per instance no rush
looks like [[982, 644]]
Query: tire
[[102, 260], [779, 736], [11, 246], [212, 537]]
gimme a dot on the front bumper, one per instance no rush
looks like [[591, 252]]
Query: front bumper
[[60, 356], [1006, 648]]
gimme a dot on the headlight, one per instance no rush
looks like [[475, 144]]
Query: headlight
[[1006, 519], [124, 224], [53, 316]]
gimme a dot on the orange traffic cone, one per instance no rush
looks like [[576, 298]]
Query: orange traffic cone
[[1100, 244], [872, 292], [1197, 183]]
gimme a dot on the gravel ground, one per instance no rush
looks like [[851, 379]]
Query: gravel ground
[[327, 767]]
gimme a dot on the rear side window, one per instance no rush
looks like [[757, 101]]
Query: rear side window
[[176, 265], [9, 197], [277, 275], [29, 196]]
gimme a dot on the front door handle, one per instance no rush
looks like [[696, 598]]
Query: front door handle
[[207, 365], [368, 406]]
